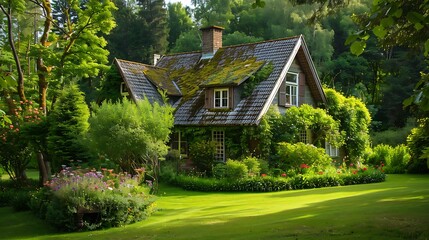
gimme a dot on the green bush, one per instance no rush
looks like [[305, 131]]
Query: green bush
[[417, 142], [219, 171], [295, 155], [381, 154], [202, 154], [20, 201], [16, 194], [270, 184], [103, 200], [168, 171], [399, 159], [236, 170], [393, 159], [253, 165]]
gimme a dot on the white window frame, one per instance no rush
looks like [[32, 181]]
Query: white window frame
[[223, 95], [331, 150], [219, 138], [124, 89], [291, 90]]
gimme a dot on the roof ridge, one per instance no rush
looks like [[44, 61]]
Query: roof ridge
[[237, 45], [144, 64], [181, 53], [264, 41]]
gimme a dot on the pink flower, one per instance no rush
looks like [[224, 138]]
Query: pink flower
[[11, 126], [284, 175], [263, 175]]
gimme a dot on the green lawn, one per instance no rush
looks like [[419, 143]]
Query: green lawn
[[395, 209]]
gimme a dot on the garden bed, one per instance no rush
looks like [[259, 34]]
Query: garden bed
[[272, 184]]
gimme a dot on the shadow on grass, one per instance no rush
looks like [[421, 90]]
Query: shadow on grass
[[390, 210]]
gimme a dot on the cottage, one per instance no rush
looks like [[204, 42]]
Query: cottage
[[223, 89]]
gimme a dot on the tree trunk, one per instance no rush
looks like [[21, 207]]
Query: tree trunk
[[9, 101], [43, 173], [20, 87], [43, 70]]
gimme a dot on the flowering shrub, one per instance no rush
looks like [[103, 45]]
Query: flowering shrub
[[77, 200], [15, 151]]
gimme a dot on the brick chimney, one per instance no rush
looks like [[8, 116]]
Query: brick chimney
[[212, 40]]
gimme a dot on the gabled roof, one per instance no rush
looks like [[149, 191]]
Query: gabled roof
[[230, 66]]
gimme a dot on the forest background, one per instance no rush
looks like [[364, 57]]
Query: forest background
[[382, 77], [71, 50]]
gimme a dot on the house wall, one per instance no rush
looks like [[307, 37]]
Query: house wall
[[304, 93]]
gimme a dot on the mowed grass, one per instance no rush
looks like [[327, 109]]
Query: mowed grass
[[395, 209]]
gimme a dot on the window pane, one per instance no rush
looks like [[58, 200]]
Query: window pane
[[217, 94], [221, 98], [292, 78], [219, 138]]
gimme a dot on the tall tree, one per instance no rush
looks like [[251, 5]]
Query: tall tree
[[153, 15], [8, 7], [123, 38], [70, 45], [179, 21], [213, 12]]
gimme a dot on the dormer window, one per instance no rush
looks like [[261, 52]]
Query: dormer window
[[221, 98]]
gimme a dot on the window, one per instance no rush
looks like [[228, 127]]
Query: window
[[292, 89], [305, 136], [124, 89], [219, 138], [331, 150], [221, 98]]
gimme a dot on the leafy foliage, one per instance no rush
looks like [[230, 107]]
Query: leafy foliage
[[15, 148], [418, 142], [202, 154], [253, 165], [237, 37], [354, 119], [131, 135], [235, 170], [305, 117], [272, 184], [297, 155], [179, 21]]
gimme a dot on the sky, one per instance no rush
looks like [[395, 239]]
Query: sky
[[185, 3]]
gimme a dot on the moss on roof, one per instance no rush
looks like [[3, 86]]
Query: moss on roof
[[226, 68], [160, 77], [233, 73]]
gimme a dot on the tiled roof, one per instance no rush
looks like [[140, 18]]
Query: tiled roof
[[229, 66], [137, 82], [248, 110]]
